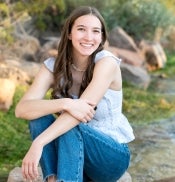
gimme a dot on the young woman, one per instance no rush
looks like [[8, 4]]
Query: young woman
[[81, 133]]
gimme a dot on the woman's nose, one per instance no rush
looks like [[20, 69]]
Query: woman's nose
[[89, 35]]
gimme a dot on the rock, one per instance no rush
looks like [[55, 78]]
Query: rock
[[6, 93], [9, 70], [16, 176], [125, 178], [153, 151], [135, 75], [172, 179], [127, 56], [43, 54], [120, 39], [155, 56], [25, 68]]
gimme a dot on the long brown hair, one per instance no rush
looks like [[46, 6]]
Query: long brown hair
[[62, 69]]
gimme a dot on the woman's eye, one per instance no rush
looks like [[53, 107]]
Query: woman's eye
[[97, 31], [81, 29]]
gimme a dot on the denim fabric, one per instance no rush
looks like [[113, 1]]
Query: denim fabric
[[81, 154]]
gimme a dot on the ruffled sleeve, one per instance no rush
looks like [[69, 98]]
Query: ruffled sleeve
[[49, 63], [105, 53]]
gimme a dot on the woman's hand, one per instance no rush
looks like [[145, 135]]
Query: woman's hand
[[81, 109], [31, 161]]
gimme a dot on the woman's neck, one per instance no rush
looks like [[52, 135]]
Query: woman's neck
[[80, 64], [77, 68]]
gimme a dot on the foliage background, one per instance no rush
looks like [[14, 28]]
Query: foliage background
[[140, 19]]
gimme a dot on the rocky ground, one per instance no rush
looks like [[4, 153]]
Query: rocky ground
[[153, 150]]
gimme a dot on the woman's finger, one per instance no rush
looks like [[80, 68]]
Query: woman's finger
[[90, 103], [23, 168], [35, 170], [25, 171], [31, 171]]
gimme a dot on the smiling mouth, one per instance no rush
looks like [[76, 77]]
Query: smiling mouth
[[86, 45]]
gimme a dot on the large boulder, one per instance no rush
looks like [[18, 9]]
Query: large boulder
[[16, 176], [6, 93], [127, 56], [135, 75], [155, 57], [14, 73], [119, 38]]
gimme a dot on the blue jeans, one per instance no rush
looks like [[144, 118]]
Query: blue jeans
[[81, 154]]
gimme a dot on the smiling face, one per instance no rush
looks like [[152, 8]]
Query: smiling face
[[86, 35]]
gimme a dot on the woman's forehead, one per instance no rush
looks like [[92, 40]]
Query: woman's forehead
[[88, 21]]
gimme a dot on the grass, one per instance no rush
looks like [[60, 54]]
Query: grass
[[140, 106], [146, 106], [149, 105], [14, 140]]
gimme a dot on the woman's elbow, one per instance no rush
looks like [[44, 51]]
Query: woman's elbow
[[19, 111]]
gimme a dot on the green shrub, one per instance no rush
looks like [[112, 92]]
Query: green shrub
[[142, 106], [138, 18], [48, 14], [6, 36], [4, 11], [14, 140]]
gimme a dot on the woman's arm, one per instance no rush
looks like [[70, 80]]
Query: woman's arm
[[106, 75], [32, 105]]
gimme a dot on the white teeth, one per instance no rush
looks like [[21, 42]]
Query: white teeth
[[86, 45]]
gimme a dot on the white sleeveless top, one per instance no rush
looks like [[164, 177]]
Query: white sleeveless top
[[108, 118]]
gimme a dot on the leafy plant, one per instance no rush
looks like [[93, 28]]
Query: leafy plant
[[15, 139], [138, 18], [146, 106], [4, 11], [48, 14]]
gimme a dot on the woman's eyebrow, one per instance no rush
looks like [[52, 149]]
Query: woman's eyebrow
[[99, 28]]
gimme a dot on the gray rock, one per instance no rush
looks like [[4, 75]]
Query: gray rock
[[135, 75], [125, 178], [6, 93], [16, 176], [119, 38]]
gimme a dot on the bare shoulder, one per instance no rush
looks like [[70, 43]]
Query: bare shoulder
[[107, 68], [107, 63], [43, 75]]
